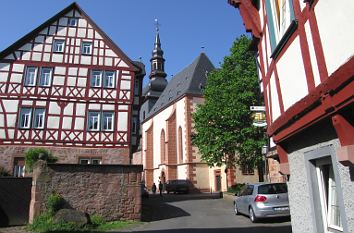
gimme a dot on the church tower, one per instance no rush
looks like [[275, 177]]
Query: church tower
[[157, 77]]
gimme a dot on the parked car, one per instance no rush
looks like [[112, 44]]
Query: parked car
[[263, 200], [177, 186]]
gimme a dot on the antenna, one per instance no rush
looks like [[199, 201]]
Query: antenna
[[157, 25]]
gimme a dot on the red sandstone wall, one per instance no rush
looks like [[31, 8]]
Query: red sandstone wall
[[111, 191], [66, 154]]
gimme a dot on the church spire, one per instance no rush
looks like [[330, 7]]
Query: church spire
[[157, 61]]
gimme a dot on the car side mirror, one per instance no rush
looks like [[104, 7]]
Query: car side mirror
[[237, 194]]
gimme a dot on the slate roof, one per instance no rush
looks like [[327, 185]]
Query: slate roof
[[190, 80]]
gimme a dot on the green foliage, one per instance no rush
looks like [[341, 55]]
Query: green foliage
[[97, 220], [34, 154], [223, 124], [45, 223], [4, 172], [55, 202], [235, 188]]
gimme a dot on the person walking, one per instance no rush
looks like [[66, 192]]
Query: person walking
[[160, 187], [153, 188]]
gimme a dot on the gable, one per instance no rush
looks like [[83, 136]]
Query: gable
[[38, 45]]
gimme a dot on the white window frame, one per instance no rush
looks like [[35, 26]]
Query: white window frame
[[327, 203], [72, 22], [90, 161], [94, 116], [96, 80], [58, 46], [25, 118], [283, 22], [45, 80], [86, 48], [106, 117], [109, 80], [38, 114], [31, 80]]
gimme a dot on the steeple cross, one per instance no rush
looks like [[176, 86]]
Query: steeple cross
[[157, 25]]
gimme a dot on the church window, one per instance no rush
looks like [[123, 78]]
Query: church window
[[180, 145], [86, 48], [31, 76], [109, 79], [281, 23], [72, 22], [58, 46], [45, 77], [163, 146]]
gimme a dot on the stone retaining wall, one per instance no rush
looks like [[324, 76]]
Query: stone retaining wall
[[111, 191]]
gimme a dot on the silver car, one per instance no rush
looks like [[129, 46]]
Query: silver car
[[263, 200]]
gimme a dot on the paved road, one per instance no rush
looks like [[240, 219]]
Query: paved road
[[200, 214]]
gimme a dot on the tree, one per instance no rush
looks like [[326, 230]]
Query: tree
[[223, 127], [34, 154]]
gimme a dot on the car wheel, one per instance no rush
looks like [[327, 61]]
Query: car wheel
[[253, 217], [235, 208]]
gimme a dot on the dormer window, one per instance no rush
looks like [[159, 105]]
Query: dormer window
[[72, 22], [58, 46], [86, 48]]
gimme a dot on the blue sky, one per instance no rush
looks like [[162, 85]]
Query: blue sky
[[186, 26]]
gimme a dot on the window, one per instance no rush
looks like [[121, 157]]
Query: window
[[109, 79], [162, 146], [86, 48], [31, 116], [38, 122], [136, 87], [94, 121], [19, 167], [31, 76], [180, 145], [72, 22], [247, 169], [96, 78], [328, 195], [92, 161], [25, 118], [247, 190], [282, 23], [108, 119], [45, 77], [100, 121], [58, 46]]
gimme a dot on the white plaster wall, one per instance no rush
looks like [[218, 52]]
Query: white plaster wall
[[181, 122], [302, 4], [275, 99], [159, 124], [203, 177], [182, 172], [336, 31], [313, 58], [292, 77]]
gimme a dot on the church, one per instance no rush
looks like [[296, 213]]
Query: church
[[167, 128], [67, 87]]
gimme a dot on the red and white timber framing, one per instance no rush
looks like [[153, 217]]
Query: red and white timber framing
[[69, 97], [312, 76]]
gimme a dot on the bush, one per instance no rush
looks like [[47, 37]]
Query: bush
[[45, 223], [35, 154], [235, 188], [97, 220], [55, 202], [4, 172]]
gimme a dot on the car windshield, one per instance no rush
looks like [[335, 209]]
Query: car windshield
[[273, 188]]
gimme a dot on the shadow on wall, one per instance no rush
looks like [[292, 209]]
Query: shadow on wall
[[255, 229], [4, 219], [351, 172]]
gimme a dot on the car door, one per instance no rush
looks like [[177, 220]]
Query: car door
[[248, 198], [243, 199]]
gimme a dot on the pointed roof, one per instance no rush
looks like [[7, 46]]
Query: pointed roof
[[73, 6], [190, 80]]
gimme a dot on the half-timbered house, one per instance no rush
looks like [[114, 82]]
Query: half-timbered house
[[67, 87], [306, 67]]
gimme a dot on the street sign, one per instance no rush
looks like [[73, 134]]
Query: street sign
[[257, 108]]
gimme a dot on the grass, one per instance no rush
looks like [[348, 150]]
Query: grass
[[45, 223]]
